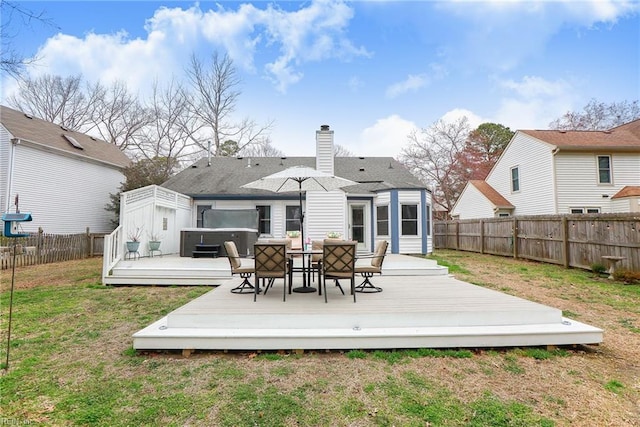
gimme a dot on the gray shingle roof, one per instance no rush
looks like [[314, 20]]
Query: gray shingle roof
[[50, 135], [227, 174]]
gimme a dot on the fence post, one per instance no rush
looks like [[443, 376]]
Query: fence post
[[481, 236], [39, 246], [89, 244], [514, 237], [565, 241], [457, 235]]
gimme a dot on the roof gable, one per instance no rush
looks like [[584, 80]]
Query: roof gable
[[51, 136], [627, 191], [491, 194]]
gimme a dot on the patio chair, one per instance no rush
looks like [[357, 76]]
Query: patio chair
[[338, 262], [237, 268], [367, 271], [271, 262], [316, 260]]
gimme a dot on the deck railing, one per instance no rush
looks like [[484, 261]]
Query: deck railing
[[113, 250]]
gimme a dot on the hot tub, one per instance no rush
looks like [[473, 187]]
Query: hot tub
[[244, 238]]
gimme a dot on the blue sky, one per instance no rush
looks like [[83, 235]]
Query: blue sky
[[372, 70]]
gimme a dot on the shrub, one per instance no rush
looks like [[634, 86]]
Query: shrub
[[598, 268], [627, 276]]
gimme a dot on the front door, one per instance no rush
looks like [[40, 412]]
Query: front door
[[357, 226]]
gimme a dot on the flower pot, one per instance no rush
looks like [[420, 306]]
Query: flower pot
[[133, 246], [154, 245]]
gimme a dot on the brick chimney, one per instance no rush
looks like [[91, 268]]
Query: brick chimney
[[324, 149]]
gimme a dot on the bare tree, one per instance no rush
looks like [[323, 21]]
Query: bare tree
[[264, 149], [432, 152], [56, 99], [341, 151], [598, 116], [213, 100], [119, 117], [13, 62], [172, 127]]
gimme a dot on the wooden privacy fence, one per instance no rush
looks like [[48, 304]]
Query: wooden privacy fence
[[569, 240], [41, 248]]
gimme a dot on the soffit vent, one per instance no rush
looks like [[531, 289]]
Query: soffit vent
[[73, 141]]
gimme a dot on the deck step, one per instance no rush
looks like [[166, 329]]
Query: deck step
[[412, 312]]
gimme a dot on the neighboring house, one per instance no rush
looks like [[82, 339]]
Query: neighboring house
[[559, 172], [388, 203], [62, 177]]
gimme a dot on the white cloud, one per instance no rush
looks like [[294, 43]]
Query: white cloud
[[534, 102], [415, 82], [534, 86], [458, 113], [411, 83], [385, 137], [500, 35], [312, 33]]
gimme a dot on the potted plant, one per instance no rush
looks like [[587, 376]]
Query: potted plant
[[334, 235], [154, 241], [133, 239]]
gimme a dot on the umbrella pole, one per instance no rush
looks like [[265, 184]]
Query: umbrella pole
[[306, 287]]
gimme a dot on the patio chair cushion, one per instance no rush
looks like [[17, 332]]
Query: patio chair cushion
[[232, 253], [378, 256]]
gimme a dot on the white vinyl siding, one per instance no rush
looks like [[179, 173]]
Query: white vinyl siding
[[473, 204], [324, 151], [326, 211], [64, 194], [535, 168], [577, 179], [5, 146]]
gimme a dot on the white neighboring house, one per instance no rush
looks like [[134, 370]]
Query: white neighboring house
[[62, 177], [545, 172]]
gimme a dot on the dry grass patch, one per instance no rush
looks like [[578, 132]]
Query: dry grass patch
[[72, 362]]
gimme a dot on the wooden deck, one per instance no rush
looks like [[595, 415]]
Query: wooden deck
[[413, 311]]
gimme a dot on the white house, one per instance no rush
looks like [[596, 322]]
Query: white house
[[387, 203], [559, 172], [62, 177]]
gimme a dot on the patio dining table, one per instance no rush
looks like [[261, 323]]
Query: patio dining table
[[306, 268]]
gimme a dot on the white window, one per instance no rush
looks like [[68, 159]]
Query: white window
[[200, 214], [382, 220], [604, 169], [409, 220], [264, 219], [292, 218], [515, 179], [584, 210]]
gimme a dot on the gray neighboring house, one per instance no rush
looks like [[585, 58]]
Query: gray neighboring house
[[62, 177], [389, 203]]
